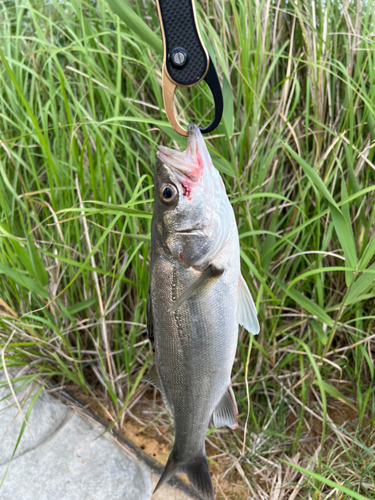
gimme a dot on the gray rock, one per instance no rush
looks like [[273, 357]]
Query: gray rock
[[46, 417], [70, 460], [64, 456]]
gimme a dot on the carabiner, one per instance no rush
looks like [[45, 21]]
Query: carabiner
[[186, 60]]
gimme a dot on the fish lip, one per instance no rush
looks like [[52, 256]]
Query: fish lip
[[170, 152], [194, 133], [188, 162], [174, 153], [169, 160]]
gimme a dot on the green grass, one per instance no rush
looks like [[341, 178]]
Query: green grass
[[81, 115]]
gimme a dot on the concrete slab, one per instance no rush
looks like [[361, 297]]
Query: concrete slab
[[46, 417], [64, 456]]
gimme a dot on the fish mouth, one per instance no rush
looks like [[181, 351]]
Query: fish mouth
[[191, 162], [192, 232]]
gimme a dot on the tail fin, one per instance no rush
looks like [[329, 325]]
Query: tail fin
[[173, 467], [199, 476], [196, 470]]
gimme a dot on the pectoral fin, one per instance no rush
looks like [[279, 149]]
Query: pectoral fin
[[246, 312], [226, 412], [211, 272]]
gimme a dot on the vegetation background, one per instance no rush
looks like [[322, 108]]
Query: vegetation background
[[81, 116]]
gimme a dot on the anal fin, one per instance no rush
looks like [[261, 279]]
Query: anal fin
[[226, 412]]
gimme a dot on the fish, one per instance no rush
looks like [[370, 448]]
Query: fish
[[196, 299]]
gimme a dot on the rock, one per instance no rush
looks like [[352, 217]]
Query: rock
[[67, 458], [47, 415], [63, 455]]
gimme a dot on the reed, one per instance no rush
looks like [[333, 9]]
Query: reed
[[81, 115]]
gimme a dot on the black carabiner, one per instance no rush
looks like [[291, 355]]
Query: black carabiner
[[186, 60]]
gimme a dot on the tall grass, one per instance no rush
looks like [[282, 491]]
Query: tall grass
[[81, 115]]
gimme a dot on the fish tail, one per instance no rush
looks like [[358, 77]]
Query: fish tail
[[172, 468], [196, 470], [199, 476]]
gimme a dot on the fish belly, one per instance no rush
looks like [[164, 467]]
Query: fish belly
[[194, 348]]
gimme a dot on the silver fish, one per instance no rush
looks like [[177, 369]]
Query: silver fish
[[196, 300]]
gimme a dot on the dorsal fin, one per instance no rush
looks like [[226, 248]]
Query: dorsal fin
[[246, 312], [152, 377]]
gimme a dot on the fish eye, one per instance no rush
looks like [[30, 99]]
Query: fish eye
[[168, 194]]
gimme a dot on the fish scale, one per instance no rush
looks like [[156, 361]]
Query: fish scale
[[197, 298]]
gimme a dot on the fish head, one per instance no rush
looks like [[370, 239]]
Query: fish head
[[192, 213]]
